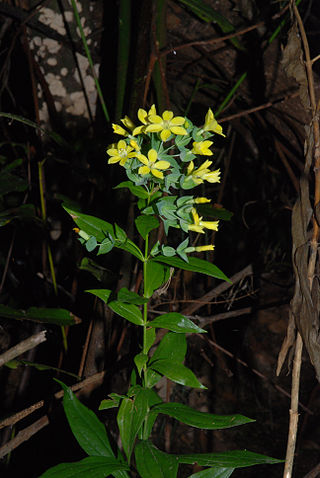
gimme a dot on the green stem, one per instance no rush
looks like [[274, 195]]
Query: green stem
[[145, 306]]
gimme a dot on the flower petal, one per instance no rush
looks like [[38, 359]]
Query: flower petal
[[167, 115], [162, 164], [156, 173], [164, 135], [178, 120], [152, 155], [178, 130], [143, 170], [143, 159], [153, 128]]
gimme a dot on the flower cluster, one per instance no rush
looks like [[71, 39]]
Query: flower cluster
[[159, 156]]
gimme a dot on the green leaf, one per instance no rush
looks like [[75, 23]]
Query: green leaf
[[120, 233], [132, 248], [89, 432], [194, 265], [42, 367], [156, 275], [40, 314], [176, 323], [93, 226], [154, 463], [150, 338], [172, 347], [208, 14], [215, 472], [176, 372], [125, 295], [194, 418], [103, 294], [138, 191], [90, 467], [130, 418], [129, 312], [91, 244], [228, 459], [151, 378], [102, 274], [140, 360], [145, 224]]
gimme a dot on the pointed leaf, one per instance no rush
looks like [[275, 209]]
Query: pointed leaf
[[145, 224], [40, 314], [89, 432], [138, 191], [129, 312], [125, 295], [156, 275], [194, 264], [130, 418], [176, 323], [177, 372], [154, 463], [194, 418], [90, 467], [103, 294], [172, 347], [93, 226], [228, 459]]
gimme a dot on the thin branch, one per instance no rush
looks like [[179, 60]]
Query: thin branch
[[23, 347]]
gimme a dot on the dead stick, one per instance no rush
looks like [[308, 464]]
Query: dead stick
[[22, 347], [24, 435]]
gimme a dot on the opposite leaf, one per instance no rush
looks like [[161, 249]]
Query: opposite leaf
[[89, 432], [145, 224], [194, 418], [154, 463], [90, 467], [176, 323]]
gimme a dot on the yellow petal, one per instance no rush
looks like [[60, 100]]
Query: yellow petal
[[155, 119], [213, 176], [112, 152], [143, 159], [213, 225], [204, 248], [178, 120], [157, 174], [162, 165], [164, 135], [195, 228], [143, 170], [190, 167], [153, 128], [167, 115], [178, 130], [142, 115], [152, 155], [114, 159], [119, 130], [201, 200]]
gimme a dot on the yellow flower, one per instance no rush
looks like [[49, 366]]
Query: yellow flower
[[122, 151], [209, 247], [167, 124], [143, 117], [119, 130], [203, 173], [151, 165], [211, 124], [202, 147], [128, 123], [201, 200], [198, 225]]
